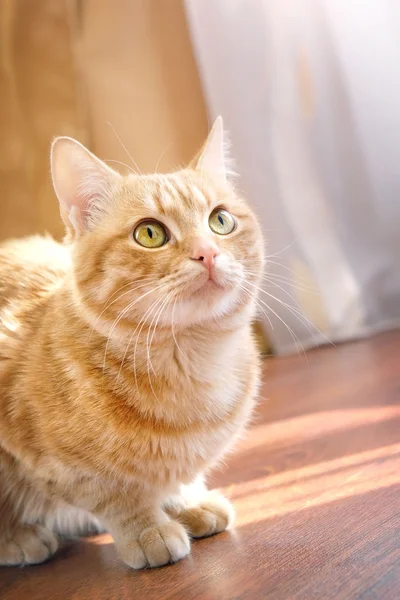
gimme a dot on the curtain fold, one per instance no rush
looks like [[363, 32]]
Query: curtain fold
[[310, 92]]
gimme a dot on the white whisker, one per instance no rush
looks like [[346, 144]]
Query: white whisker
[[290, 330], [277, 285], [300, 316], [267, 256], [250, 295], [272, 277], [125, 148], [122, 314], [174, 336], [130, 291], [119, 162], [162, 155], [141, 325], [142, 320], [157, 318]]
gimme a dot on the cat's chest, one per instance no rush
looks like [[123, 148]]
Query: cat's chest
[[178, 452], [180, 458], [191, 414]]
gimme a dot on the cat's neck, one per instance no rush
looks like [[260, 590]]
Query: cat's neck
[[193, 369], [125, 338]]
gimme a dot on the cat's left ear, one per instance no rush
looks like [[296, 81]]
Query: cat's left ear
[[213, 158], [84, 184]]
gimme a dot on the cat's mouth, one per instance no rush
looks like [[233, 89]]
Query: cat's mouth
[[211, 285]]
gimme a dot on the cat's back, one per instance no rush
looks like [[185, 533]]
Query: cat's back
[[30, 270]]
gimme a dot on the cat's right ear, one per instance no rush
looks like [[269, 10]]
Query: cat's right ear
[[84, 184], [214, 157]]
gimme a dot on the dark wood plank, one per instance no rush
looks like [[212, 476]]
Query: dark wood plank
[[316, 488]]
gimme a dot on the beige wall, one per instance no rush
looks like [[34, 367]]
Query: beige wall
[[68, 68], [39, 98], [141, 77]]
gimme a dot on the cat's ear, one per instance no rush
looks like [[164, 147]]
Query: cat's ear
[[84, 184], [213, 158]]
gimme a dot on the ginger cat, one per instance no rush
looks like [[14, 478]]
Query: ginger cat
[[127, 363]]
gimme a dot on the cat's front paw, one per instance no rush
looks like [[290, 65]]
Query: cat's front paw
[[157, 546], [213, 515], [29, 545]]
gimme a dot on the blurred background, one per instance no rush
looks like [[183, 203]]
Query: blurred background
[[310, 95]]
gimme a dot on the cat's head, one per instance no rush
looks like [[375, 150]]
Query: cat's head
[[181, 248]]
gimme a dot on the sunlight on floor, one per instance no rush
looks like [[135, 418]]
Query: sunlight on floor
[[272, 496], [316, 424], [100, 540]]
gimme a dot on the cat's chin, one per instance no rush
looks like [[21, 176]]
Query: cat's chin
[[216, 284], [207, 303], [210, 286]]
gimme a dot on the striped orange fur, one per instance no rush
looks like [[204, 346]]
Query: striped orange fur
[[126, 372]]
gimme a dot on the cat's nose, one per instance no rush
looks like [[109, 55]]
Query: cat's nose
[[206, 253]]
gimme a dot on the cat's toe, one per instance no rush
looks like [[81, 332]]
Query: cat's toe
[[213, 515], [29, 545], [157, 546]]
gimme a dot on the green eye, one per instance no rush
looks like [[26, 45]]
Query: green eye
[[150, 234], [221, 222]]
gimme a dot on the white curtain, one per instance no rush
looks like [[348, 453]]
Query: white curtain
[[310, 94]]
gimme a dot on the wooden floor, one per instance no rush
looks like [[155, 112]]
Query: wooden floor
[[316, 486]]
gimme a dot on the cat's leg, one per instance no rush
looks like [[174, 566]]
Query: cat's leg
[[31, 544], [69, 521], [202, 512], [143, 533], [22, 539]]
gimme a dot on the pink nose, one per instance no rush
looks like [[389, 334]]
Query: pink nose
[[206, 253]]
